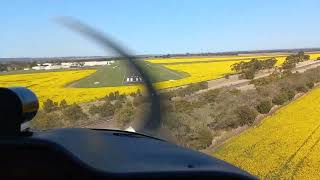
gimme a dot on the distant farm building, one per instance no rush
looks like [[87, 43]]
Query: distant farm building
[[97, 63], [66, 65]]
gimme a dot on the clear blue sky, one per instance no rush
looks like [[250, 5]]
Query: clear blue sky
[[159, 26]]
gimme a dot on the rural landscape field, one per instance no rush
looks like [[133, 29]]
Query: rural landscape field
[[273, 109], [175, 72], [160, 89], [243, 134], [288, 136]]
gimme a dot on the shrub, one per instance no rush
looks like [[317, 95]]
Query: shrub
[[49, 106], [261, 81], [224, 121], [63, 104], [139, 92], [266, 80], [249, 74], [246, 115], [106, 109], [122, 97], [291, 60], [280, 98], [313, 74], [289, 93], [137, 100], [248, 69], [124, 116], [302, 88], [191, 88], [183, 106], [269, 63], [310, 85], [74, 113], [111, 96], [118, 105], [266, 91], [210, 96], [202, 138], [264, 107], [93, 110], [167, 95], [254, 64], [45, 120], [116, 95], [172, 120], [287, 64]]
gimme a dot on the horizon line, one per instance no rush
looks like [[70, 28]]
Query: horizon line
[[162, 54]]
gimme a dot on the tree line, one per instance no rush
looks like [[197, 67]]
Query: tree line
[[16, 65], [248, 69]]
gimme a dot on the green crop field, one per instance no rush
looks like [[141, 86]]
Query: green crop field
[[116, 73]]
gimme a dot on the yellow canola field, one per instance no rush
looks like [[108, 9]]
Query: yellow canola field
[[198, 72], [201, 72], [285, 146], [52, 85], [204, 59]]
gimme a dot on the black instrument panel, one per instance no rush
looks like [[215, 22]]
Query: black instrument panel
[[104, 154]]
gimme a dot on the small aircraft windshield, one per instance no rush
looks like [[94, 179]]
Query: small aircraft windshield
[[231, 79]]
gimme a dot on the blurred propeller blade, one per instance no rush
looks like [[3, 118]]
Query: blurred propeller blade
[[152, 122]]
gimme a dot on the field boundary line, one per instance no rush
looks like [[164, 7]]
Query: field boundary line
[[298, 166], [289, 160]]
